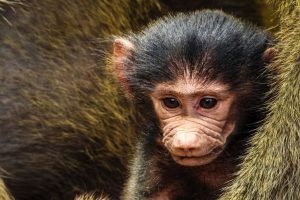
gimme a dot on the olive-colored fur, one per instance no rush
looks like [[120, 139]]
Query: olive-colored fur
[[91, 197], [271, 168], [65, 128]]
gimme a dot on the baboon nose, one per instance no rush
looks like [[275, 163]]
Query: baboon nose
[[185, 142]]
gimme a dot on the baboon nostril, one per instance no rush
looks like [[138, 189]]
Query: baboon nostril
[[185, 142]]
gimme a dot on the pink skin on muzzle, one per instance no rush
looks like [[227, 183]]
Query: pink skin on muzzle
[[193, 141]]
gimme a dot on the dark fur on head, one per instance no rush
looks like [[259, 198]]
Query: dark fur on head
[[209, 44], [192, 40]]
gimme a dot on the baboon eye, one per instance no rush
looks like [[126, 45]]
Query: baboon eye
[[171, 102], [208, 102]]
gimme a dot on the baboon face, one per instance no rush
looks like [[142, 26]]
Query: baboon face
[[195, 117]]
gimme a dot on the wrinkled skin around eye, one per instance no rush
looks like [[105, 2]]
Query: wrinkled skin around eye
[[194, 141]]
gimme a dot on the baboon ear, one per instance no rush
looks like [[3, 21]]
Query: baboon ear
[[268, 55], [122, 52]]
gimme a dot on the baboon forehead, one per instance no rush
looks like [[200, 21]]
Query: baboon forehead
[[189, 85]]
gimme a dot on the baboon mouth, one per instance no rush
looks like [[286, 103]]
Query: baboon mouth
[[196, 155], [217, 150], [193, 160], [212, 153]]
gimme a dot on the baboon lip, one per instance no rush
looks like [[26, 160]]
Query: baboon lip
[[197, 160], [197, 157], [212, 152]]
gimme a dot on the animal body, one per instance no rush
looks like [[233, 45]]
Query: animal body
[[61, 117], [200, 81]]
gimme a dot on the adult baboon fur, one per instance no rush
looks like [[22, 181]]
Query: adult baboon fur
[[271, 168], [64, 125], [4, 193], [91, 197]]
